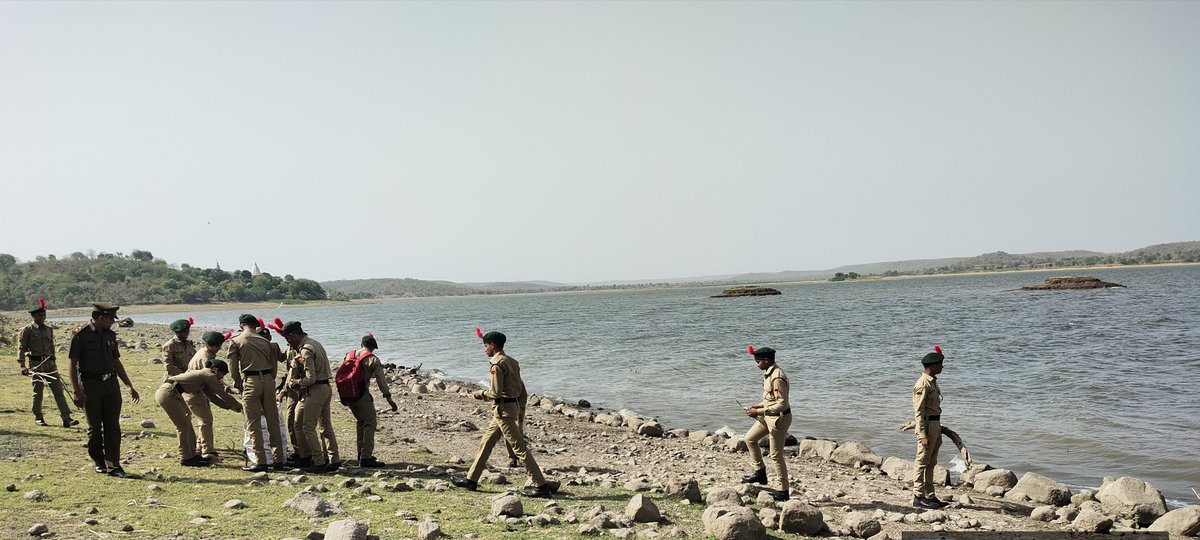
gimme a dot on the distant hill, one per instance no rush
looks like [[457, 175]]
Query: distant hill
[[379, 287]]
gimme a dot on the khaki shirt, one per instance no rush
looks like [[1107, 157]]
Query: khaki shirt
[[249, 352], [204, 380], [505, 380], [95, 350], [927, 401], [373, 369], [35, 340], [775, 391], [313, 361], [201, 358], [176, 355]]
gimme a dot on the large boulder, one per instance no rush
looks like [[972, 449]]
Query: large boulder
[[1130, 497], [861, 524], [347, 529], [733, 523], [507, 504], [817, 448], [968, 476], [1038, 489], [312, 505], [650, 428], [722, 496], [1179, 522], [800, 518], [684, 488], [642, 510], [904, 471], [1003, 478], [855, 454], [1090, 521]]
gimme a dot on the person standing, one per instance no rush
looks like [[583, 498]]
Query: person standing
[[505, 387], [177, 352], [252, 365], [363, 408], [773, 417], [35, 354], [927, 414], [315, 397], [95, 367], [170, 396], [198, 402]]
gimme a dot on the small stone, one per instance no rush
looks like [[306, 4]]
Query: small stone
[[153, 487], [198, 521], [375, 498], [260, 476], [235, 504], [37, 496], [151, 501], [299, 479], [127, 528], [147, 424], [38, 529], [10, 487], [92, 510], [91, 521]]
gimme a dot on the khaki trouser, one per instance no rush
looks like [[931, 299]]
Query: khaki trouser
[[201, 409], [777, 428], [926, 460], [505, 424], [293, 433], [102, 406], [40, 381], [258, 401], [312, 411], [173, 403], [366, 422]]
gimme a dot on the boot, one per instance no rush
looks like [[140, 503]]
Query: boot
[[759, 477]]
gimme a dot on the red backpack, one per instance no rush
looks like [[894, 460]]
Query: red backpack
[[352, 378]]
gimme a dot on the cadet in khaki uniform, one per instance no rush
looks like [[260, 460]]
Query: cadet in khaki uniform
[[315, 396], [170, 396], [364, 408], [504, 390], [927, 413], [198, 402], [774, 417], [95, 367], [177, 352], [295, 371], [252, 367], [36, 346]]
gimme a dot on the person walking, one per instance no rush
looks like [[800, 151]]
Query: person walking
[[95, 367], [171, 397], [35, 355], [505, 386], [773, 416], [360, 402], [927, 414]]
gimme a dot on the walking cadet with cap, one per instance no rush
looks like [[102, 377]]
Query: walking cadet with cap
[[198, 402], [505, 387], [252, 367], [927, 414], [171, 397], [315, 397], [95, 367], [363, 408], [35, 354], [178, 351], [774, 416]]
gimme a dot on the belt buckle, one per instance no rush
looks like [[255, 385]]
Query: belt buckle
[[105, 377]]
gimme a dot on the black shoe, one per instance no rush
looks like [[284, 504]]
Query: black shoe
[[371, 462], [261, 467], [333, 466], [512, 462], [118, 472], [70, 422], [194, 461], [937, 503], [300, 463], [759, 477], [465, 483], [279, 466], [553, 485], [781, 496], [542, 491], [921, 502], [101, 468], [39, 421], [316, 468]]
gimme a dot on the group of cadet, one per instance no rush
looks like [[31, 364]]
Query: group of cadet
[[194, 381]]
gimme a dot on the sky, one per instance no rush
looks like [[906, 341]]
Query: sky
[[581, 141]]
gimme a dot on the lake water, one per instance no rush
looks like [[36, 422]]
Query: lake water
[[1075, 385]]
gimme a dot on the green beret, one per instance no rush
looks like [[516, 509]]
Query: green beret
[[292, 327], [37, 310], [932, 358], [369, 342], [495, 338], [764, 353], [219, 364], [180, 325], [213, 338], [248, 319]]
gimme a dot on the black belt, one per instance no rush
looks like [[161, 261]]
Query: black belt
[[322, 381], [38, 356], [500, 400], [785, 411], [97, 376], [936, 417], [255, 373], [178, 388]]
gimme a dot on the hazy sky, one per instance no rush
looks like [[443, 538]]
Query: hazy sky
[[575, 141]]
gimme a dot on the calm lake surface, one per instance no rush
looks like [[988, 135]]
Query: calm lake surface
[[1075, 385]]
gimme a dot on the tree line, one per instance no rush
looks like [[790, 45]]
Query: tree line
[[138, 278]]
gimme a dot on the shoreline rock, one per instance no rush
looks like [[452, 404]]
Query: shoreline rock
[[1063, 283]]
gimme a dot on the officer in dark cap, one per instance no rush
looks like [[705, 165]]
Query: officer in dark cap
[[35, 354], [95, 367], [177, 352], [773, 417], [252, 367], [316, 395], [927, 414], [170, 396], [505, 386]]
